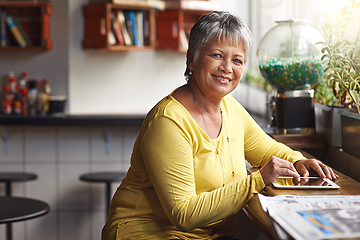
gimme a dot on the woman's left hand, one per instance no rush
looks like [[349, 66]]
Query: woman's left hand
[[305, 166]]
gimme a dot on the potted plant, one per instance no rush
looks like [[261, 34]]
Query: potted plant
[[341, 59]]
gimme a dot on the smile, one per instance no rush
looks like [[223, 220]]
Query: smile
[[222, 79]]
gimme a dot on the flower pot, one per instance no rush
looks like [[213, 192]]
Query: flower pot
[[328, 123], [350, 122]]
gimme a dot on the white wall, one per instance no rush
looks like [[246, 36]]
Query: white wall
[[99, 82], [96, 83], [123, 82]]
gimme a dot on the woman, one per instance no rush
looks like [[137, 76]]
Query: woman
[[188, 177]]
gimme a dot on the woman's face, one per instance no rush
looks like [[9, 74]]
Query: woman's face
[[218, 68]]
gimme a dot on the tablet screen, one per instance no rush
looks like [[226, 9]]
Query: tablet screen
[[305, 182]]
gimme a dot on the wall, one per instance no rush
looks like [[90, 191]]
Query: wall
[[59, 155], [52, 64], [96, 83], [123, 82]]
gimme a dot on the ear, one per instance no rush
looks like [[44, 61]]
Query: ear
[[189, 59]]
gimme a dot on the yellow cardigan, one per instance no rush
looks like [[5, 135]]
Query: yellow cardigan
[[183, 184]]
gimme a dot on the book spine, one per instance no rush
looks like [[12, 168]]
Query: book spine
[[125, 33], [133, 28], [23, 33], [128, 26], [15, 31], [117, 30], [2, 29], [111, 34], [140, 27]]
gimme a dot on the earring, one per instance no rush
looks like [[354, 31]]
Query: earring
[[190, 72]]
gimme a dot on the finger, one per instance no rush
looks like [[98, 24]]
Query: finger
[[301, 168], [286, 164], [326, 170], [318, 169], [285, 171], [333, 176]]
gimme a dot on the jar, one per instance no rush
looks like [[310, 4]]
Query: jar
[[289, 56]]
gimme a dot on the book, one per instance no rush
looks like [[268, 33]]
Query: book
[[146, 28], [23, 33], [139, 15], [2, 29], [15, 30], [116, 30], [128, 26], [156, 4], [133, 26], [111, 38], [123, 28]]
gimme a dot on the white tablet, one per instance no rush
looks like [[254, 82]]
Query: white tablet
[[305, 183]]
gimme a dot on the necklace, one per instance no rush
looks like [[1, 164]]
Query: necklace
[[217, 148], [198, 107]]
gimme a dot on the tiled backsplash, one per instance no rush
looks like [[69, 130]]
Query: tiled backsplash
[[59, 155]]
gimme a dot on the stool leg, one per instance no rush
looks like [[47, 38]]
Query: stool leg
[[108, 197], [8, 225], [8, 189], [8, 231]]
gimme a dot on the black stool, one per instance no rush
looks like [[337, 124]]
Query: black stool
[[107, 178], [8, 178]]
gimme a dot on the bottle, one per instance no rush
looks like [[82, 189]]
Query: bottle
[[17, 104], [32, 94], [7, 102], [43, 103], [23, 80], [12, 84], [24, 105]]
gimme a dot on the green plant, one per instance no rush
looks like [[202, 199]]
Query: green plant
[[254, 78], [324, 94], [341, 58]]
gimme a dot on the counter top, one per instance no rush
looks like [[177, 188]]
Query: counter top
[[73, 120]]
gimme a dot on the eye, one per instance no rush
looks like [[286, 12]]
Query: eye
[[239, 61], [216, 55]]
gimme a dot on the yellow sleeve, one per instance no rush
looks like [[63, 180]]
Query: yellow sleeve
[[259, 147], [167, 150]]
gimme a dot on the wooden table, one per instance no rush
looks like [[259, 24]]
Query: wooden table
[[348, 186], [15, 209]]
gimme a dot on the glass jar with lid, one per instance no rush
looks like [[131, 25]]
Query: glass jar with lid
[[289, 56]]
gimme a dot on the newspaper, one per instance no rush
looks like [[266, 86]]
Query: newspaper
[[314, 217]]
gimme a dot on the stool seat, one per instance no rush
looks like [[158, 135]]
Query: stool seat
[[104, 177], [17, 176], [8, 178]]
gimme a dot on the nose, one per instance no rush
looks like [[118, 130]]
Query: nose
[[225, 66]]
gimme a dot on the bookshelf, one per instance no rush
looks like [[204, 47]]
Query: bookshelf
[[32, 26], [175, 22], [105, 23]]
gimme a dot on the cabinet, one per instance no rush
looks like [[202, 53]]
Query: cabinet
[[164, 27], [106, 23], [175, 22], [33, 22]]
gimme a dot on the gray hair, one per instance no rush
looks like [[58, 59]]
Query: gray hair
[[218, 25]]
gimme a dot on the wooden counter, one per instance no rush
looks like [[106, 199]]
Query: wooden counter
[[348, 186], [73, 120]]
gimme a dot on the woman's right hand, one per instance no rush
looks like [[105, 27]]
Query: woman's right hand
[[278, 167]]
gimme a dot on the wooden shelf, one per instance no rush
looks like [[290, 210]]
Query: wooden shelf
[[168, 28], [34, 19], [98, 26], [175, 22]]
